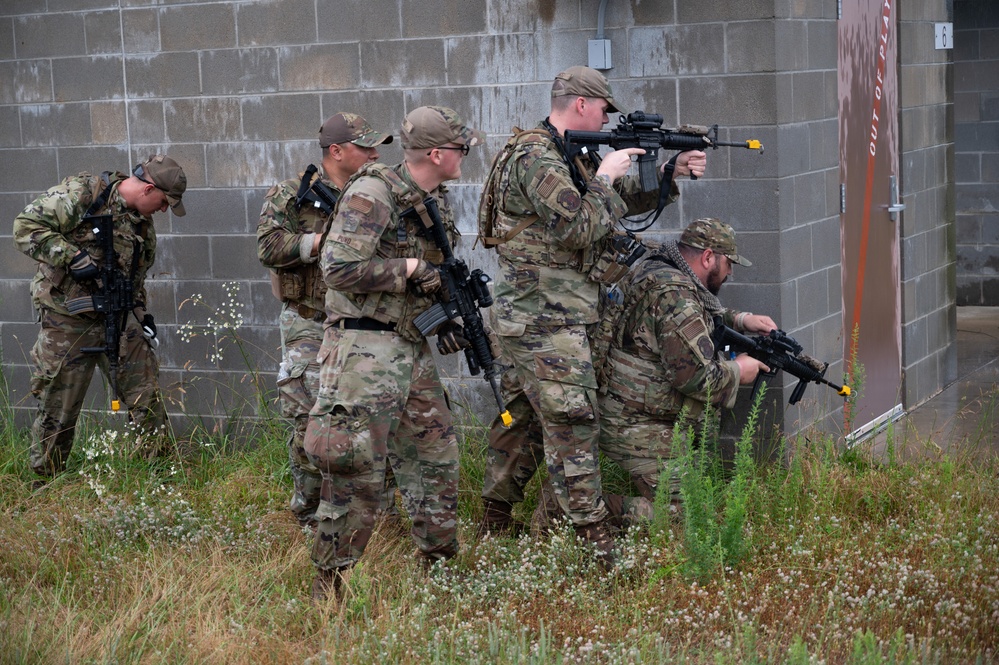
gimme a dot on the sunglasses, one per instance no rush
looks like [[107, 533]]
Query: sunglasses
[[140, 173], [463, 148]]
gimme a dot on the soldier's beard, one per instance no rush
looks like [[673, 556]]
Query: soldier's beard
[[715, 280]]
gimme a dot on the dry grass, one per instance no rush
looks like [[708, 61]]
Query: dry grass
[[196, 561]]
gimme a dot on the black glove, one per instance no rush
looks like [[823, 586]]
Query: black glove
[[450, 338], [148, 326], [426, 278], [83, 267]]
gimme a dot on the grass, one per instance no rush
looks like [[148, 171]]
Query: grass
[[194, 559], [834, 556]]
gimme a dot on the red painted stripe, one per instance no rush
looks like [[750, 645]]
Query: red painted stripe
[[869, 181]]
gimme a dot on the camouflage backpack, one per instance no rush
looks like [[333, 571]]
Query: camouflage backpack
[[491, 189]]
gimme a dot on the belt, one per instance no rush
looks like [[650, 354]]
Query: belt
[[365, 323], [307, 312]]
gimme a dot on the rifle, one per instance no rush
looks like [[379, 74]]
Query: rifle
[[462, 293], [315, 192], [114, 299], [643, 130], [778, 351]]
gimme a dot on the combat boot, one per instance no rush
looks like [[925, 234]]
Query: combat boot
[[600, 535], [497, 519], [327, 585]]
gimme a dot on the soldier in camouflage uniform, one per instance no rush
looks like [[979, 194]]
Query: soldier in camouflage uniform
[[380, 395], [52, 231], [662, 359], [288, 239], [550, 218]]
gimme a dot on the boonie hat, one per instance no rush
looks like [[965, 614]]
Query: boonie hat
[[350, 128], [584, 82], [166, 175], [713, 234], [434, 126]]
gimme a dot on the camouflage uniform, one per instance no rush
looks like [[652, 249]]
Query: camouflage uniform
[[546, 295], [661, 360], [50, 231], [285, 235], [380, 396]]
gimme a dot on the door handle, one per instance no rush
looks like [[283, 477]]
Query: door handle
[[896, 206]]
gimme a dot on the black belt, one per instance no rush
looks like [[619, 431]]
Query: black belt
[[365, 324]]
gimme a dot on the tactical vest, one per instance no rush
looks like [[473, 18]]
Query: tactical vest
[[303, 285], [603, 262], [490, 206], [410, 242], [134, 243], [644, 385]]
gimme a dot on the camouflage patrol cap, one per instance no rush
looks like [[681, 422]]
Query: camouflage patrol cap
[[584, 82], [350, 128], [434, 126], [713, 234], [165, 174]]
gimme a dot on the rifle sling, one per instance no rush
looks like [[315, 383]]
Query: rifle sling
[[103, 197]]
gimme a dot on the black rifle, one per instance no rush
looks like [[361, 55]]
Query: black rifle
[[778, 351], [644, 130], [461, 294], [113, 299], [315, 193]]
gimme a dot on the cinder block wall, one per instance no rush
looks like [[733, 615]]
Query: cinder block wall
[[976, 144], [236, 91], [929, 328]]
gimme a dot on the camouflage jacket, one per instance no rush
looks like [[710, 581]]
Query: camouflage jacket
[[50, 231], [662, 357], [364, 256], [543, 275], [285, 235]]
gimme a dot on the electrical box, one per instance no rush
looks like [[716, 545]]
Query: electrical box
[[600, 54]]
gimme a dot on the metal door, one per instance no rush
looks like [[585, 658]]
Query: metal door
[[870, 217]]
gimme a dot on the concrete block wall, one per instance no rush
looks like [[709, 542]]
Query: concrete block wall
[[929, 329], [976, 147], [236, 91]]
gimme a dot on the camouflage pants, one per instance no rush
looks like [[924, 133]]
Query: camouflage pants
[[61, 376], [513, 456], [298, 387], [381, 401], [554, 367], [514, 453], [641, 445]]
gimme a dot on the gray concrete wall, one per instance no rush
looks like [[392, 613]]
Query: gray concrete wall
[[236, 91], [976, 146], [926, 127]]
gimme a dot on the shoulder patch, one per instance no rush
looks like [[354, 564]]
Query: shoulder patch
[[706, 348], [547, 185], [360, 204], [693, 329], [569, 199]]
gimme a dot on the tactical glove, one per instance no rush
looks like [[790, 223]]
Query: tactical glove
[[149, 327], [450, 338], [426, 278], [83, 267]]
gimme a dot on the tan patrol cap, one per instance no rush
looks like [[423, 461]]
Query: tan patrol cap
[[166, 175], [584, 82], [350, 128], [434, 126], [713, 234]]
